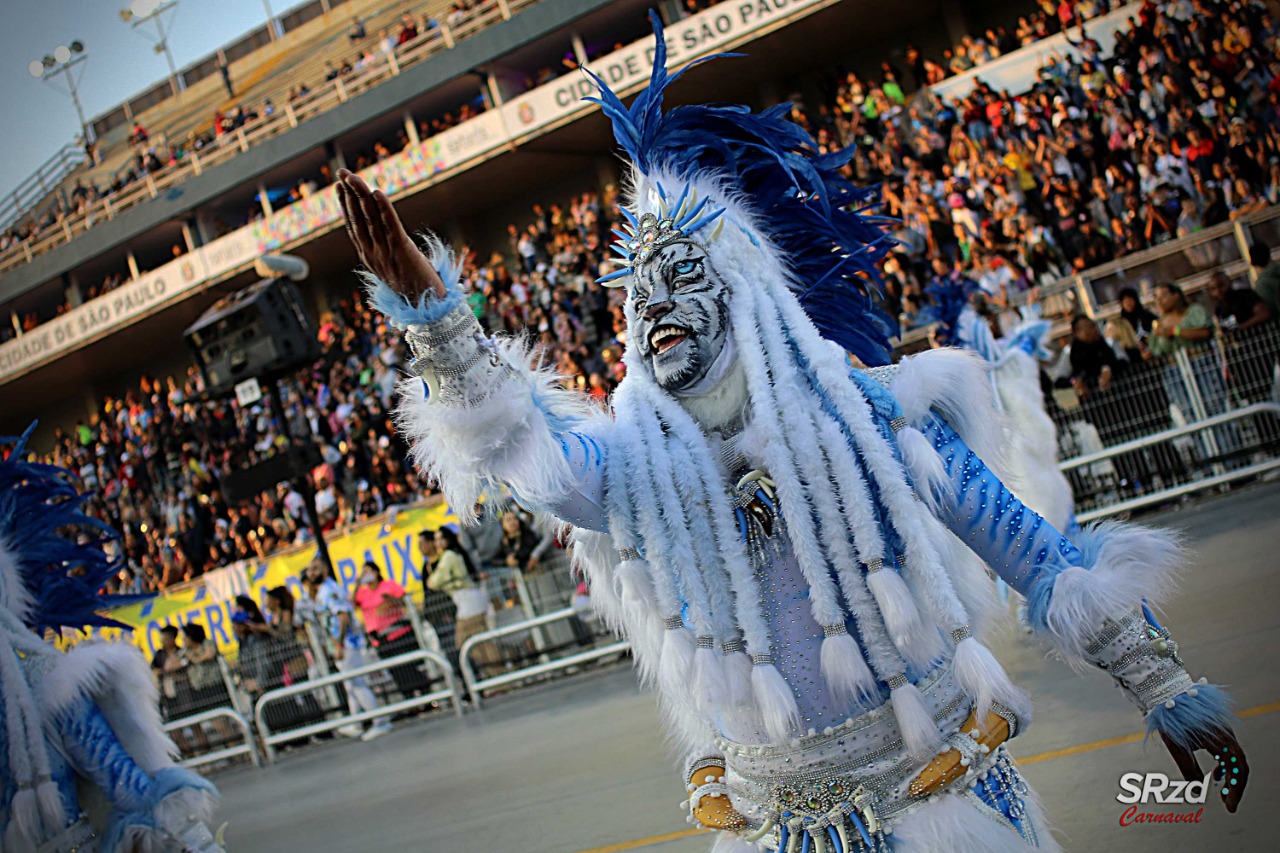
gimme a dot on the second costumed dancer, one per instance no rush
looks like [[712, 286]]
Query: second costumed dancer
[[792, 547]]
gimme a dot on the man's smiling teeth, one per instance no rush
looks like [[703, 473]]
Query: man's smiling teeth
[[665, 337]]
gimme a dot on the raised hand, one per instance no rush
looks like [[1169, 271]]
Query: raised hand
[[1230, 772], [383, 245]]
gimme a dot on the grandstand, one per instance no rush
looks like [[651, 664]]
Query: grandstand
[[476, 129]]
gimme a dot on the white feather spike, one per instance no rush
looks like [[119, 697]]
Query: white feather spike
[[24, 821], [775, 702], [675, 665], [709, 687], [845, 670], [915, 723], [897, 605], [928, 471], [52, 813], [737, 677], [981, 676]]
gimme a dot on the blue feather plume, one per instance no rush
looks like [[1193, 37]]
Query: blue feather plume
[[948, 297], [58, 548], [812, 214]]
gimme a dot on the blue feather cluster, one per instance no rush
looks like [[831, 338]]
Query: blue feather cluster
[[58, 548], [948, 297], [816, 217]]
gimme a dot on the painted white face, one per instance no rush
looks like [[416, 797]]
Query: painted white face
[[681, 314]]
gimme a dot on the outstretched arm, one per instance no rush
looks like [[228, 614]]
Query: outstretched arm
[[1088, 597], [480, 412]]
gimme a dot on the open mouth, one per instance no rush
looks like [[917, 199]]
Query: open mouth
[[665, 337]]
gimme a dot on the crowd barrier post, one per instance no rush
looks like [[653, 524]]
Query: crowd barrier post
[[270, 738], [249, 747], [476, 685]]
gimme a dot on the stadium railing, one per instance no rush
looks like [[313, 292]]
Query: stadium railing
[[1168, 428], [494, 650], [248, 745], [319, 100], [273, 736]]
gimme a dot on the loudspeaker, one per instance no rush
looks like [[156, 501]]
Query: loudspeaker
[[259, 331], [249, 482]]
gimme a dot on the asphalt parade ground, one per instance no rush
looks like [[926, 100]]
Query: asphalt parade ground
[[580, 766]]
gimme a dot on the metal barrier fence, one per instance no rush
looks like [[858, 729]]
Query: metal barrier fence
[[1167, 428], [196, 722], [482, 645], [271, 738]]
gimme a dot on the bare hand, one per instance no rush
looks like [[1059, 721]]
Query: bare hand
[[1231, 772], [380, 240]]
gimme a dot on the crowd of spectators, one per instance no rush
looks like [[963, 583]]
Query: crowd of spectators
[[1171, 133]]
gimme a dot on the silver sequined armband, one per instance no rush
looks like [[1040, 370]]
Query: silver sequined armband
[[1142, 659], [459, 363]]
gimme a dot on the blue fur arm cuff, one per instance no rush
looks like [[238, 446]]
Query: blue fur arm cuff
[[1186, 718], [403, 312]]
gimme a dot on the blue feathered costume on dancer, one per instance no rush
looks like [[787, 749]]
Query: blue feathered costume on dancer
[[84, 762], [793, 548]]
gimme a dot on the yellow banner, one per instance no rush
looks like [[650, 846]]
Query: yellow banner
[[392, 545]]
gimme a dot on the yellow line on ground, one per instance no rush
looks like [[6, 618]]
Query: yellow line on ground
[[1078, 749], [644, 842]]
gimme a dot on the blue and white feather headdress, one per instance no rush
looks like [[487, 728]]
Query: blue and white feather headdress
[[773, 182]]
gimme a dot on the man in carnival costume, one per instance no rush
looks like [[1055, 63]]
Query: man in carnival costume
[[85, 764], [786, 542]]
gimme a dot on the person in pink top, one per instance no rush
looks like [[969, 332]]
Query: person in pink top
[[383, 606]]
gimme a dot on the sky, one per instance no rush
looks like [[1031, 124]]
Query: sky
[[39, 117]]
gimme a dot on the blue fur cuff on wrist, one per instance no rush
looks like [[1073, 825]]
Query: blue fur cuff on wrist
[[403, 312], [1192, 717]]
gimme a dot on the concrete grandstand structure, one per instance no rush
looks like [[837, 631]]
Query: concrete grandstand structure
[[182, 238]]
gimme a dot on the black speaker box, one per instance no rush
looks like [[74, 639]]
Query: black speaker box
[[249, 482], [258, 332]]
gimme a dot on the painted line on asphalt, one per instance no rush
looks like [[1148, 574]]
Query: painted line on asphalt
[[1078, 749]]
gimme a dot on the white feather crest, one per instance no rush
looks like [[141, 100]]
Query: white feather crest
[[955, 382], [928, 471], [675, 666], [919, 732], [981, 676], [710, 689], [775, 703], [845, 670]]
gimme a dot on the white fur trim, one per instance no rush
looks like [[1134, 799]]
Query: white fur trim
[[981, 676], [919, 732], [845, 670], [958, 824], [709, 688], [1132, 563], [675, 667], [505, 439], [116, 678], [956, 383], [1031, 460], [896, 605], [775, 703], [928, 471]]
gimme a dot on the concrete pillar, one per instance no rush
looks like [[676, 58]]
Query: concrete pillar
[[492, 92], [333, 152], [75, 296], [264, 199], [134, 272], [204, 228], [411, 128], [189, 236], [505, 84], [579, 49]]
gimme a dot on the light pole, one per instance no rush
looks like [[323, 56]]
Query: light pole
[[142, 11], [61, 61]]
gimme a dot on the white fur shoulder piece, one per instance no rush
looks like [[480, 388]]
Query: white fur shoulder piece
[[116, 678], [956, 382]]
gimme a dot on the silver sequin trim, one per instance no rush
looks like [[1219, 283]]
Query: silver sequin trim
[[761, 660], [732, 647], [899, 680], [898, 424], [706, 642], [673, 623], [961, 634], [834, 630], [874, 565], [628, 554]]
